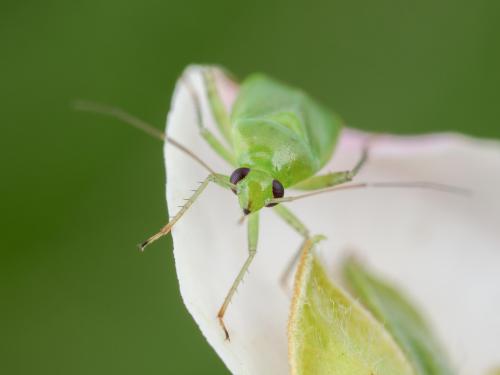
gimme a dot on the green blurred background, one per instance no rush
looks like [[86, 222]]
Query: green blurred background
[[79, 191]]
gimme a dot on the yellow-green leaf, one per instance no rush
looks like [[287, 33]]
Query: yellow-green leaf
[[400, 318], [330, 333]]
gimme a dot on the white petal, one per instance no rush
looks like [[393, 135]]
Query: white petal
[[443, 249]]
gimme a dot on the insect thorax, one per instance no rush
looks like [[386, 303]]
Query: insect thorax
[[272, 147]]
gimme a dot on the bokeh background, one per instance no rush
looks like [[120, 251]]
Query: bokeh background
[[79, 191]]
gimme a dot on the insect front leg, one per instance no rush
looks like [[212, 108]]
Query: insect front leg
[[334, 178], [253, 237], [219, 179], [211, 139]]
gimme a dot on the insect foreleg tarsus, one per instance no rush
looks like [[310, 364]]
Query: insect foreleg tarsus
[[253, 237], [219, 179]]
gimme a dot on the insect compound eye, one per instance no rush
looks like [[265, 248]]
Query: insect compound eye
[[278, 192], [278, 189], [238, 175]]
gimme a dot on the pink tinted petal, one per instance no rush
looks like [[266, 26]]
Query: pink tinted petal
[[353, 140], [227, 88]]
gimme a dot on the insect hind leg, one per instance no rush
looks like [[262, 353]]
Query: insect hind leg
[[306, 244], [286, 215], [285, 276]]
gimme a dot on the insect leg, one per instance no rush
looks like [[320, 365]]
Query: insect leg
[[218, 109], [324, 180], [211, 139], [290, 218], [333, 178], [253, 236], [214, 177]]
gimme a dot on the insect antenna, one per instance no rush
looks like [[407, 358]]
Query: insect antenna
[[425, 185], [120, 114]]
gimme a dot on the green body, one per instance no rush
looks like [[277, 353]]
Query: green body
[[281, 130], [278, 137]]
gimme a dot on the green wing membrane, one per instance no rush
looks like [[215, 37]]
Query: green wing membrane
[[262, 97]]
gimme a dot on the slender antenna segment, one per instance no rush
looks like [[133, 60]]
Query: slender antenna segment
[[408, 185], [120, 114]]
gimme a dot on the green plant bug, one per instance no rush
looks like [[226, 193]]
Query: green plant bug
[[275, 137]]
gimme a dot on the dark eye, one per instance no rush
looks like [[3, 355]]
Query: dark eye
[[238, 175], [278, 192]]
